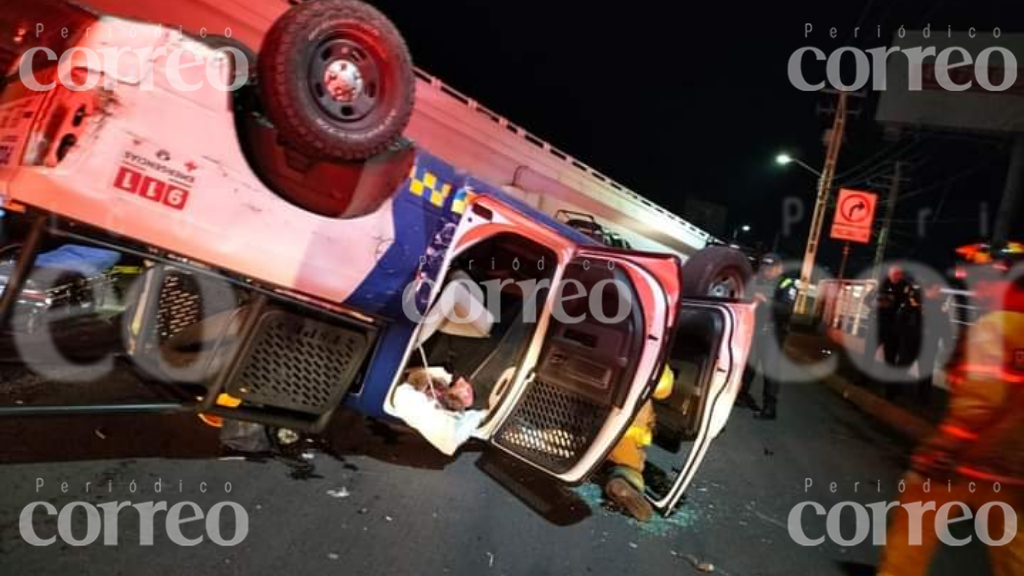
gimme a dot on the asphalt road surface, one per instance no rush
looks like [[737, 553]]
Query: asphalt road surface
[[368, 499]]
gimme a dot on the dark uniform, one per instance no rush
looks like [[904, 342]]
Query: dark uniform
[[772, 328], [933, 306], [897, 313]]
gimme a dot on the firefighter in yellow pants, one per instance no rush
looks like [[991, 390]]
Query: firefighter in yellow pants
[[625, 485], [976, 457]]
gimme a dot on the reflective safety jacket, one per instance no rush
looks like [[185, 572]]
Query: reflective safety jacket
[[982, 434], [780, 295]]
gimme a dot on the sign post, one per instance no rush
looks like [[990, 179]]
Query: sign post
[[852, 222]]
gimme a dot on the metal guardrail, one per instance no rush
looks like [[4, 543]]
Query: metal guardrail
[[841, 305], [556, 153], [961, 310]]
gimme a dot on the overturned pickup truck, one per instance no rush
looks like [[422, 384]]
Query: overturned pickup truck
[[303, 256]]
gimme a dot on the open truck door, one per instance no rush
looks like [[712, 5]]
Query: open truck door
[[708, 355], [602, 350], [592, 378]]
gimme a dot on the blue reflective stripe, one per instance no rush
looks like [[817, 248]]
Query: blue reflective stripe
[[419, 223]]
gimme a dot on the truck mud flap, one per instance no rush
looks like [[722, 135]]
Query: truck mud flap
[[277, 365], [297, 363]]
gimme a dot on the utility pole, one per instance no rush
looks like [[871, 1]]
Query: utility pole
[[1013, 194], [835, 142], [890, 209]]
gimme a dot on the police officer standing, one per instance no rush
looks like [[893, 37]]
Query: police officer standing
[[774, 295], [935, 307], [896, 313]]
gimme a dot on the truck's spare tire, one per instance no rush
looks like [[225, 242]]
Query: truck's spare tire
[[336, 79], [717, 272]]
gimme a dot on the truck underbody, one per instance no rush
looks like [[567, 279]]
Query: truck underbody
[[467, 134]]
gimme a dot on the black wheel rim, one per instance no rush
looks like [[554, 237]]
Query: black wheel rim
[[345, 80], [727, 284]]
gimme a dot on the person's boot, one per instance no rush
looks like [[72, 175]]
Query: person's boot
[[767, 413], [746, 400], [623, 494]]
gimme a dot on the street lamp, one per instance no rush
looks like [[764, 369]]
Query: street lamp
[[817, 221], [786, 159]]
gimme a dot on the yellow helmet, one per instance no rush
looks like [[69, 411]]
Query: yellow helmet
[[664, 388]]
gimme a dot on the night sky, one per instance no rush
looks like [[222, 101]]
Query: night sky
[[675, 101]]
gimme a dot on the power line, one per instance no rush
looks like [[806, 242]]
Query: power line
[[857, 170], [903, 233], [935, 5], [947, 181], [946, 221], [942, 202], [883, 172], [883, 169], [862, 173], [929, 188], [860, 19]]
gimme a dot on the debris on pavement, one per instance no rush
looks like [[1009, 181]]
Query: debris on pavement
[[682, 520], [286, 436], [247, 437], [490, 560], [333, 556], [339, 493], [100, 434], [698, 565]]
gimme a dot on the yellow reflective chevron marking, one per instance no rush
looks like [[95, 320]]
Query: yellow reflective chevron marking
[[461, 201], [425, 181]]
